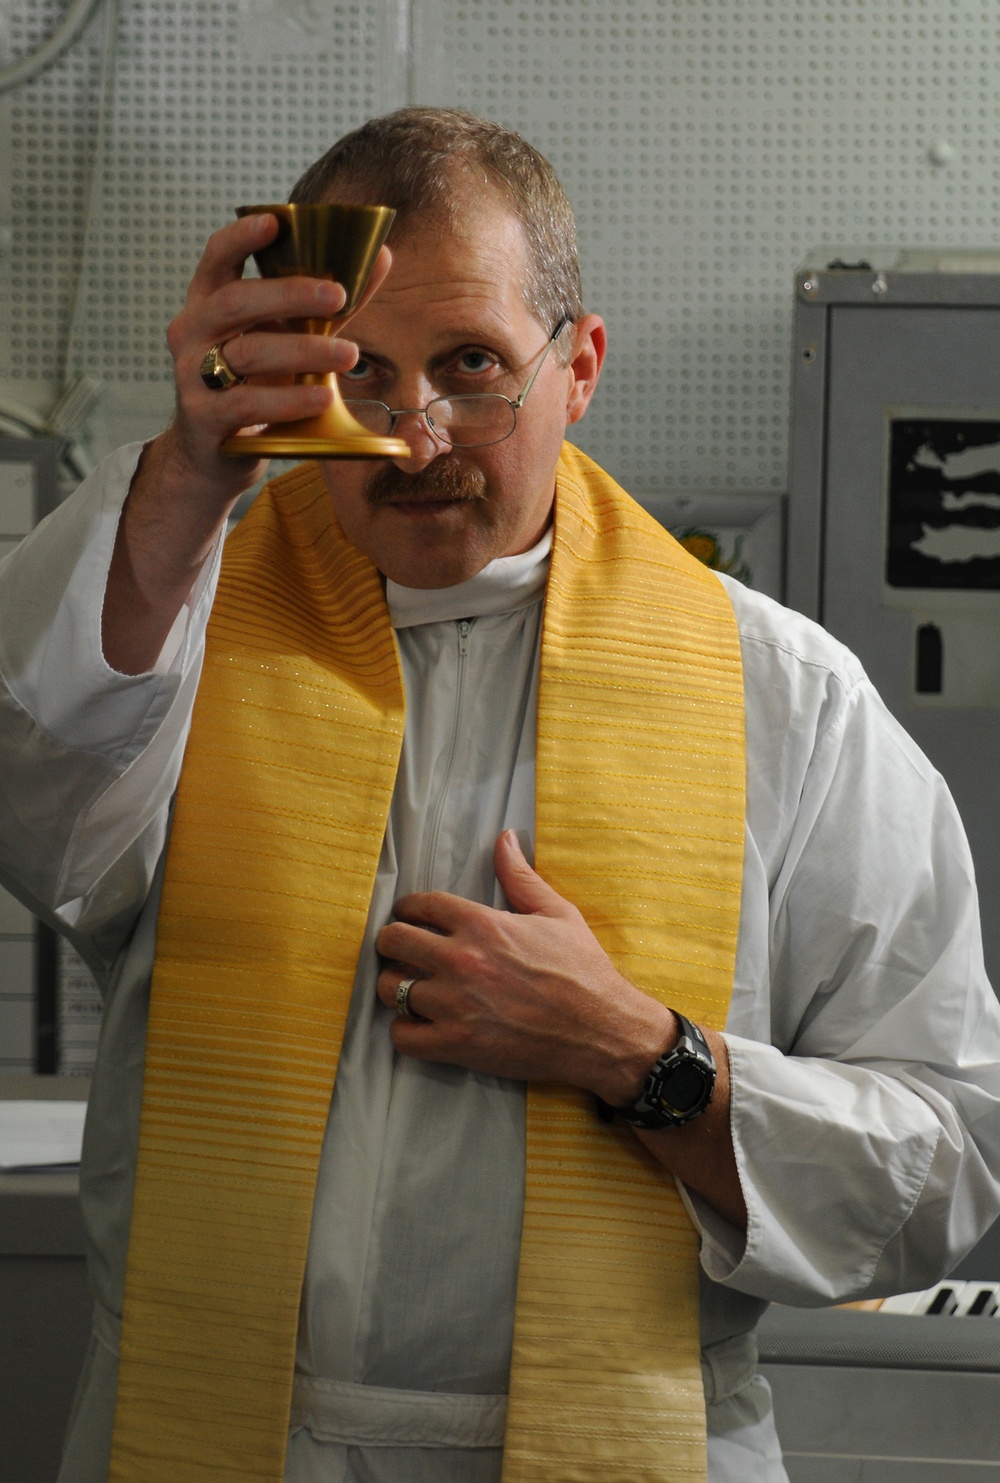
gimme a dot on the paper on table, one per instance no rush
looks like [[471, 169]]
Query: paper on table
[[40, 1135]]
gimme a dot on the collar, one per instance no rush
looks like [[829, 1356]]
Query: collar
[[503, 586]]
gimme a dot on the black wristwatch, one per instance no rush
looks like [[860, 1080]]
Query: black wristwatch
[[678, 1086]]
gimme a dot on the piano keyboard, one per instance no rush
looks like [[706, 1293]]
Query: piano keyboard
[[950, 1299]]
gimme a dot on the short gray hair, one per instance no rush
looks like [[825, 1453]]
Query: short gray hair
[[422, 161]]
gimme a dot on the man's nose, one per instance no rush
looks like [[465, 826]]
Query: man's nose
[[424, 444]]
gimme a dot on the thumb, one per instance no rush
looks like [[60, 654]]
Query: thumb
[[524, 888]]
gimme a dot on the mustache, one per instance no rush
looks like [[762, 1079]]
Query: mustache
[[443, 479]]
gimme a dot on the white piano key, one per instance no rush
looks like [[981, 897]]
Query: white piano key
[[904, 1302]]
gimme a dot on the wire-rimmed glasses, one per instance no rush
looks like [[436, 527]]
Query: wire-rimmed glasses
[[473, 420]]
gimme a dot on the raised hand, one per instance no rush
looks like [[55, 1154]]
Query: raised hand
[[249, 318], [185, 487]]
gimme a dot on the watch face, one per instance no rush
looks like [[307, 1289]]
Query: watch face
[[682, 1089]]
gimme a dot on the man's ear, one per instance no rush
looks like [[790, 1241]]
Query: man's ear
[[589, 344]]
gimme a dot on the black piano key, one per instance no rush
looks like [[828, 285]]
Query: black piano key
[[945, 1302], [983, 1305]]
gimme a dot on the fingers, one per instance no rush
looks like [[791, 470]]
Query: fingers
[[226, 317], [244, 316], [524, 888], [395, 986], [437, 1021], [271, 394], [245, 303], [424, 946], [222, 303], [401, 942], [382, 265], [222, 263], [259, 324], [228, 249], [387, 988], [268, 354], [205, 418], [249, 406], [438, 910]]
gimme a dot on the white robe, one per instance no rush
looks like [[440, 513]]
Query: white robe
[[863, 1036]]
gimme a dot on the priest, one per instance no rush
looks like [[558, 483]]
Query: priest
[[526, 953]]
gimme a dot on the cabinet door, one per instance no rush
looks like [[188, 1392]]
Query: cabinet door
[[927, 381]]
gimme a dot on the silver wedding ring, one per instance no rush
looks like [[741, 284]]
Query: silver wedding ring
[[403, 998], [216, 372]]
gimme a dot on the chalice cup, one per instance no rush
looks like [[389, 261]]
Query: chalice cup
[[323, 241]]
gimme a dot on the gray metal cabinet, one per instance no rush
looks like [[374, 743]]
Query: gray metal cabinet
[[875, 1398], [894, 506], [45, 1304]]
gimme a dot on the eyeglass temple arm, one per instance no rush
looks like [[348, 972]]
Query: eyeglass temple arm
[[552, 340]]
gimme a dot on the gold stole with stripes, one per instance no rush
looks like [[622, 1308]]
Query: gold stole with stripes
[[278, 824]]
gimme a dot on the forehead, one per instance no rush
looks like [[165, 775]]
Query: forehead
[[447, 279]]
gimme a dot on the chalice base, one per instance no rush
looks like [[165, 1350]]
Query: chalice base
[[314, 438], [333, 434], [286, 440]]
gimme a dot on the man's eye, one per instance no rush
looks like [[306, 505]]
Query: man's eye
[[360, 371], [472, 362]]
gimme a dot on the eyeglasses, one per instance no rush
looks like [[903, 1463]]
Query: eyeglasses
[[474, 421]]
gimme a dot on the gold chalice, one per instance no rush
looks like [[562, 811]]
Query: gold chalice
[[328, 241]]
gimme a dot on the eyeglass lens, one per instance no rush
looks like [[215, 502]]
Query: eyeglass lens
[[463, 421]]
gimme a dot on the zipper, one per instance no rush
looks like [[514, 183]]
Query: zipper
[[464, 629]]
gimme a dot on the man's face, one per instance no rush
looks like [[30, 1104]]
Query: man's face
[[451, 318]]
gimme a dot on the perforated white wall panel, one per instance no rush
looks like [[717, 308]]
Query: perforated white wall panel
[[46, 140], [707, 145], [213, 104]]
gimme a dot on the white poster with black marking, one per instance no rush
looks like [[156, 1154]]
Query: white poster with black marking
[[943, 503]]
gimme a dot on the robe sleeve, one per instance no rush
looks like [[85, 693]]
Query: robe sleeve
[[89, 758], [864, 1035]]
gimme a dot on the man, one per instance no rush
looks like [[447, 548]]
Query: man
[[850, 1142]]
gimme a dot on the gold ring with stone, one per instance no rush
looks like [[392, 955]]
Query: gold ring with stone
[[217, 373]]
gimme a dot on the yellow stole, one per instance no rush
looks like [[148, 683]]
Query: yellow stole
[[276, 836]]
